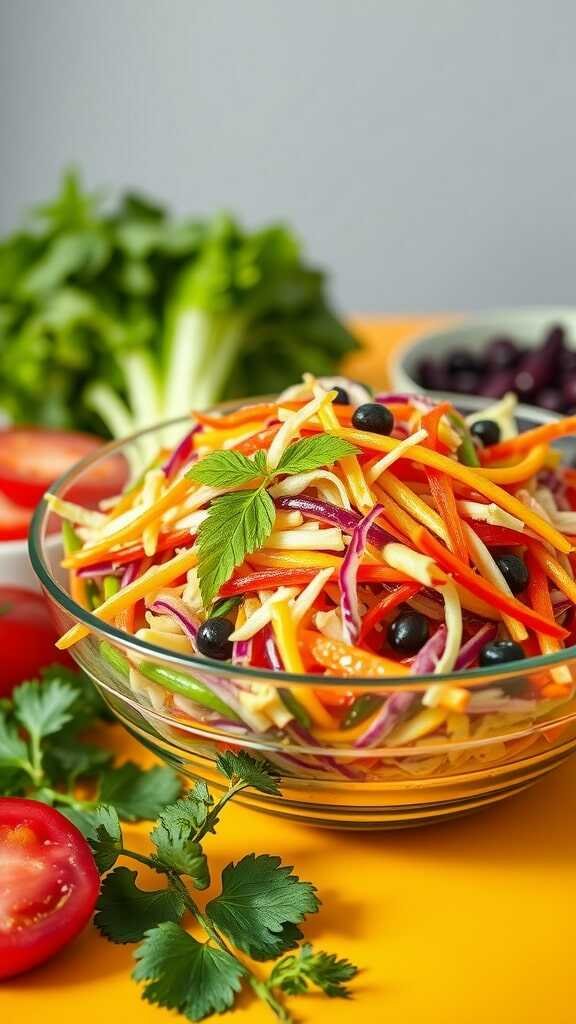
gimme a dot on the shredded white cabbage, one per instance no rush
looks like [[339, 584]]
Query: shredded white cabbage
[[419, 567], [290, 428], [489, 513], [177, 642], [262, 616], [328, 485], [453, 619], [503, 412], [388, 460], [484, 561], [306, 540], [76, 513], [302, 604]]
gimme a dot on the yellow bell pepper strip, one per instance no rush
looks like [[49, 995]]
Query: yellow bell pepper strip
[[359, 489], [472, 478], [482, 588], [553, 569], [294, 560], [541, 602], [529, 439], [155, 578], [285, 635], [216, 439], [519, 471], [176, 493], [413, 504], [348, 661]]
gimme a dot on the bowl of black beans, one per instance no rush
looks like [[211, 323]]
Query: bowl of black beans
[[531, 352]]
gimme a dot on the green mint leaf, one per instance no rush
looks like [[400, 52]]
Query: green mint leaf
[[294, 973], [260, 904], [226, 469], [105, 837], [185, 975], [13, 749], [138, 794], [313, 453], [124, 913], [241, 767], [44, 708], [237, 524]]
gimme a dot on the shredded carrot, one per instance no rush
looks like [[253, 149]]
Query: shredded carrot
[[471, 477], [248, 413], [541, 602], [529, 439]]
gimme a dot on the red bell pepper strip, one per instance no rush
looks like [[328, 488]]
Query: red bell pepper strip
[[267, 579], [477, 585], [498, 536], [385, 605], [257, 441]]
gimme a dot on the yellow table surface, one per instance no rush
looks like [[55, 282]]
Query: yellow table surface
[[462, 923]]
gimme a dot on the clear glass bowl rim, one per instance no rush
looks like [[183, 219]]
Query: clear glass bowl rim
[[225, 669]]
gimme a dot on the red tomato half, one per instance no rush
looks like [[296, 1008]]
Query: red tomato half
[[14, 520], [27, 638], [32, 459], [50, 884]]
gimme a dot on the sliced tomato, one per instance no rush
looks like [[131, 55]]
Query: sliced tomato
[[14, 519], [32, 459], [27, 637], [50, 884]]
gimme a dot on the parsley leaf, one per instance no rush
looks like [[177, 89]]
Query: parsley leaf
[[124, 913], [136, 793], [13, 749], [227, 469], [44, 708], [260, 904], [237, 524], [105, 836], [186, 975], [314, 452], [241, 767], [293, 973]]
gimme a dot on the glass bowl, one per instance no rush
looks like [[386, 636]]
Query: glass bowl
[[444, 764]]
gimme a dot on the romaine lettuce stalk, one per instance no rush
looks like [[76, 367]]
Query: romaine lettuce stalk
[[112, 321]]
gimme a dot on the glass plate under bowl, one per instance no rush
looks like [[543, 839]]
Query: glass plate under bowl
[[467, 763]]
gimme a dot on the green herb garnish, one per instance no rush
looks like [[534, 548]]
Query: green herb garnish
[[240, 522], [257, 910]]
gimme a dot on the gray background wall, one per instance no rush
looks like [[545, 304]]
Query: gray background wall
[[424, 149]]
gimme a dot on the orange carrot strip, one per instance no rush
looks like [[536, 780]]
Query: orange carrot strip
[[529, 439], [261, 411]]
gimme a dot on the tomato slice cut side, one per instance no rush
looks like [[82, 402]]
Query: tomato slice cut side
[[50, 884], [32, 459]]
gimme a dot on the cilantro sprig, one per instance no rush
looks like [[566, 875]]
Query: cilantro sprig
[[44, 754], [257, 910], [240, 522]]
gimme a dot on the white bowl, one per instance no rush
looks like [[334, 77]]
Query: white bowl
[[15, 567], [472, 333]]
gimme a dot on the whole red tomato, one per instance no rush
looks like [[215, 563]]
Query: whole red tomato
[[27, 637]]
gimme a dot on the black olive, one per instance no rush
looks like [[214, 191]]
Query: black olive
[[461, 361], [212, 638], [514, 572], [499, 653], [408, 632], [486, 431], [373, 417], [342, 398]]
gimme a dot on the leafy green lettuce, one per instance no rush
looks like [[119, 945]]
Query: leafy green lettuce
[[114, 318]]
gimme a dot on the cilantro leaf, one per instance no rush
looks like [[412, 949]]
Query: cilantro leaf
[[186, 975], [313, 453], [189, 813], [136, 793], [226, 469], [13, 749], [124, 913], [43, 708], [174, 850], [105, 837], [67, 762], [237, 524], [260, 904], [293, 973], [241, 767]]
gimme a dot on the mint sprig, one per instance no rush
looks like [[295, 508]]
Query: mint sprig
[[258, 910], [240, 522]]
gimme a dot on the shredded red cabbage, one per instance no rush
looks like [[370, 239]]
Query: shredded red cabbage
[[429, 655], [180, 455], [389, 715], [469, 651], [166, 606], [325, 512], [351, 621]]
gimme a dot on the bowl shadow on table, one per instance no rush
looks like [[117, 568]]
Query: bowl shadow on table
[[537, 826]]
